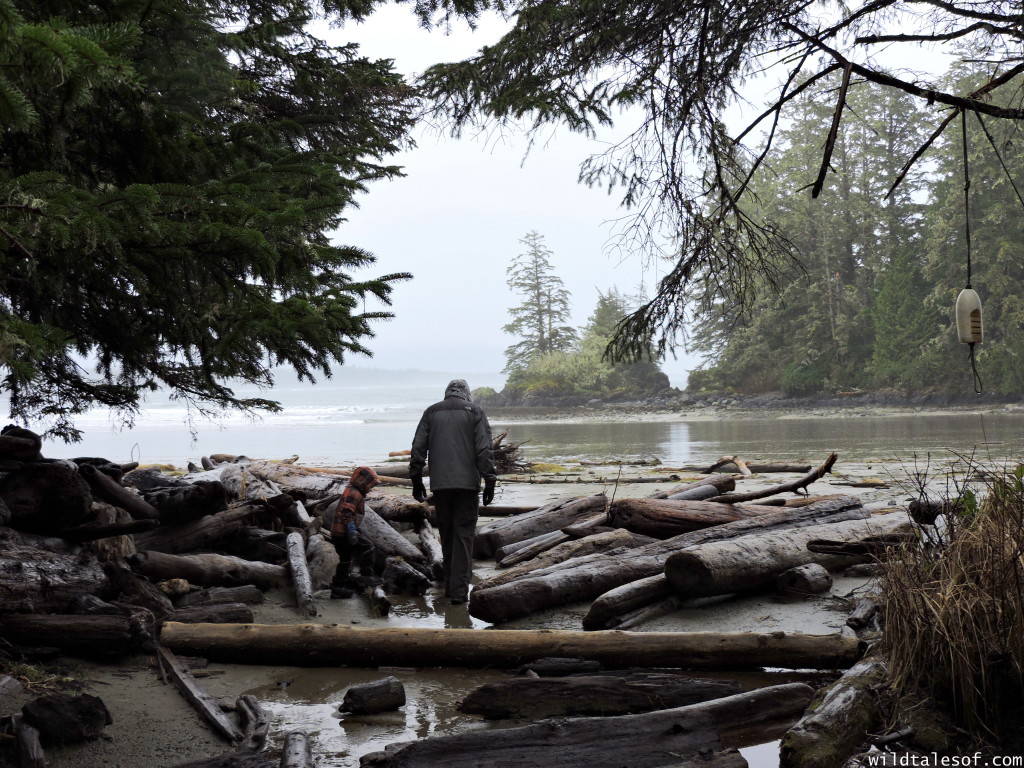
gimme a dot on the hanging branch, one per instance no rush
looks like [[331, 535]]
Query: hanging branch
[[833, 133]]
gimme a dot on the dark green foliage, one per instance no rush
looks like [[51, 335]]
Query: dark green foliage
[[170, 172]]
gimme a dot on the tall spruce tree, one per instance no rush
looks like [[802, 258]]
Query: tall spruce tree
[[540, 320], [170, 171]]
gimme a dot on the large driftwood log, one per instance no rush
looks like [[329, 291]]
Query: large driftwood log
[[208, 570], [551, 517], [585, 578], [665, 518], [384, 695], [197, 535], [180, 504], [396, 508], [807, 579], [618, 539], [299, 569], [322, 558], [109, 490], [245, 594], [214, 613], [431, 546], [534, 698], [521, 551], [96, 635], [792, 486], [754, 561], [333, 645], [390, 543], [62, 718], [36, 580], [721, 483], [45, 498], [837, 722], [757, 469], [639, 741]]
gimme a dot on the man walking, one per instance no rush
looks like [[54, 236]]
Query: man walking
[[455, 436]]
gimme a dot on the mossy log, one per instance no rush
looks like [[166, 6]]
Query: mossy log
[[754, 561], [587, 577], [534, 698], [547, 519], [639, 741], [336, 645], [837, 722]]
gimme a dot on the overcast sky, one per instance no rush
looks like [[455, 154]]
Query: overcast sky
[[455, 221]]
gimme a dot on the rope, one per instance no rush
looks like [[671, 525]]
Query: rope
[[967, 225], [974, 371]]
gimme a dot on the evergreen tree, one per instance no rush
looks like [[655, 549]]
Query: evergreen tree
[[540, 319], [170, 171]]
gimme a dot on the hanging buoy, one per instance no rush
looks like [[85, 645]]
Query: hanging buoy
[[968, 316]]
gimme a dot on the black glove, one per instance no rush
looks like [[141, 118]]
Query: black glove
[[351, 535], [489, 490], [419, 492]]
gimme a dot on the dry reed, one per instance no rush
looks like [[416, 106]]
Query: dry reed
[[954, 609]]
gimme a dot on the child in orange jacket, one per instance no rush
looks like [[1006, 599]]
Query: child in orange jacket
[[349, 541]]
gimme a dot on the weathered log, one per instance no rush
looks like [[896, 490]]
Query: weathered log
[[332, 645], [214, 613], [507, 510], [617, 539], [62, 718], [431, 546], [521, 551], [388, 542], [875, 547], [187, 502], [248, 543], [837, 722], [722, 483], [379, 603], [757, 469], [150, 479], [93, 636], [665, 518], [299, 570], [197, 696], [214, 595], [197, 535], [20, 444], [400, 578], [790, 487], [253, 721], [137, 590], [109, 490], [384, 695], [808, 579], [557, 666], [552, 517], [322, 558], [534, 698], [30, 752], [751, 562], [291, 477], [245, 758], [864, 612], [639, 741], [396, 508], [607, 610], [585, 578], [114, 549], [208, 570], [95, 531], [297, 751], [46, 497], [588, 526], [36, 580]]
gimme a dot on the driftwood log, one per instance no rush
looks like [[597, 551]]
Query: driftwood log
[[209, 570], [388, 542], [665, 518], [721, 483], [203, 533], [808, 579], [299, 570], [297, 751], [790, 487], [45, 498], [837, 722], [586, 578], [551, 517], [180, 504], [333, 645], [384, 695], [214, 613], [245, 758], [534, 698], [754, 561], [205, 704], [34, 580], [62, 718], [109, 490], [247, 593], [93, 636], [639, 741], [757, 469]]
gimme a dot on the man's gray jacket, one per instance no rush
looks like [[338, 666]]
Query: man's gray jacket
[[456, 437]]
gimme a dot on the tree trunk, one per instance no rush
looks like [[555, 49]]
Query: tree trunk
[[322, 558], [754, 561], [618, 538], [45, 498], [585, 578], [390, 543], [299, 569], [334, 645], [214, 595], [198, 535], [722, 483], [93, 636], [607, 610], [533, 698], [665, 518], [209, 570], [112, 492], [39, 581], [552, 517], [291, 477], [809, 579], [865, 612], [214, 613], [396, 508], [837, 722], [639, 741], [521, 551]]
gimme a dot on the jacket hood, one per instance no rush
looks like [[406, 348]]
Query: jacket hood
[[363, 479], [458, 388]]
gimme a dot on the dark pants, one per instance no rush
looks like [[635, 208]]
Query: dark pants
[[361, 552], [456, 522]]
